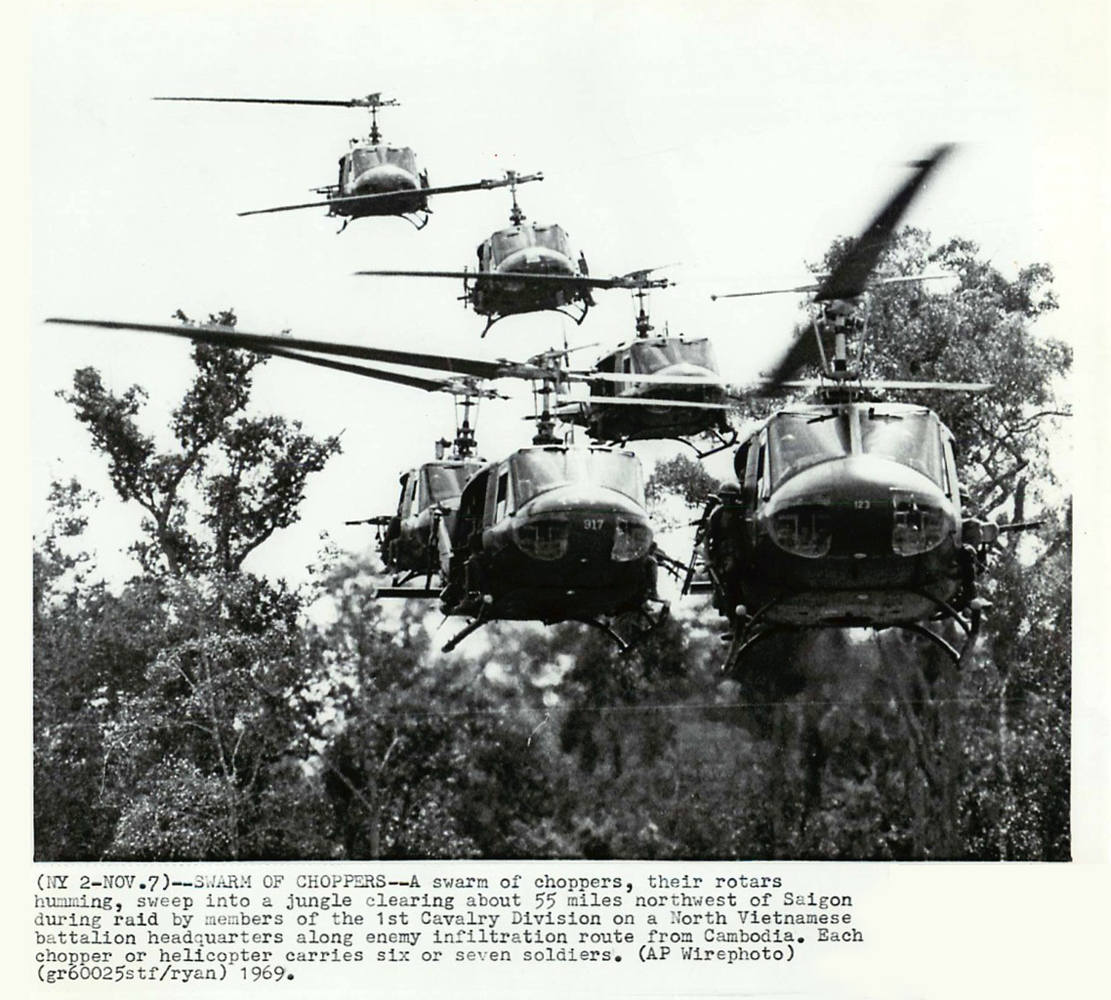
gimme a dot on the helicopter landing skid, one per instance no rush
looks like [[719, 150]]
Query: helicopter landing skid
[[722, 443], [627, 645], [418, 220], [468, 629], [753, 632], [745, 641], [577, 317], [971, 628]]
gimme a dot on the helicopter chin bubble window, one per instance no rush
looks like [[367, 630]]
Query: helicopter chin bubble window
[[803, 531], [918, 526], [631, 540], [546, 540]]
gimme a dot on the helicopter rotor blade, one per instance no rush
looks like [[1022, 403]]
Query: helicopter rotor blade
[[850, 278], [522, 278], [802, 352], [772, 388], [633, 378], [568, 404], [370, 101], [265, 343], [898, 279], [400, 378], [307, 204], [355, 200]]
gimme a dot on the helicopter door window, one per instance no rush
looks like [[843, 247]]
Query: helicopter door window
[[762, 467], [401, 509], [627, 363], [407, 496], [949, 466], [745, 477], [504, 499], [472, 505]]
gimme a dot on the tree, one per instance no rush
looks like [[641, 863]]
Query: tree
[[419, 757], [249, 472], [190, 699]]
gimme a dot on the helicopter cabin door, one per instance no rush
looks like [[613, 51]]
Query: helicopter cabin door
[[608, 366]]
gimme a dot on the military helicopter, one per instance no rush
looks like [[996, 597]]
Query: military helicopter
[[529, 268], [680, 393], [845, 512], [375, 179], [552, 533], [416, 540]]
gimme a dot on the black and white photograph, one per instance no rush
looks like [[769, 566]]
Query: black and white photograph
[[597, 431]]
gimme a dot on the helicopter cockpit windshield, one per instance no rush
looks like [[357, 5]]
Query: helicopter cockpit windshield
[[510, 241], [798, 440], [535, 472], [366, 158], [909, 438], [652, 356], [443, 483]]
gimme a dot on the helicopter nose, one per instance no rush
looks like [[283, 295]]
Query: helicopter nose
[[859, 507], [705, 385], [685, 369], [583, 526], [383, 179], [537, 260]]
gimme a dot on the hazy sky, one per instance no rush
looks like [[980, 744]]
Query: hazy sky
[[732, 139]]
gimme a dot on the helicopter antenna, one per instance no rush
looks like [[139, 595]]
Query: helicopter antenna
[[516, 216]]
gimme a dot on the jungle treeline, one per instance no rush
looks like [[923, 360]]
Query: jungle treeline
[[202, 712]]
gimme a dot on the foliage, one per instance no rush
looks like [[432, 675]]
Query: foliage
[[200, 712], [166, 715], [250, 471], [418, 761], [681, 476]]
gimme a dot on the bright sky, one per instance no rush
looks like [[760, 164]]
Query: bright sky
[[734, 140]]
